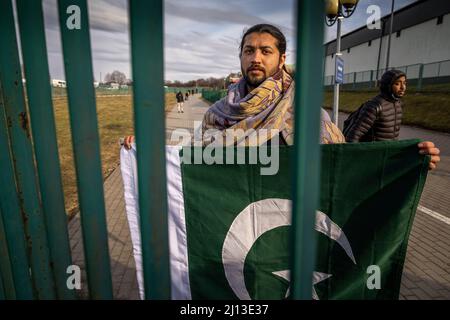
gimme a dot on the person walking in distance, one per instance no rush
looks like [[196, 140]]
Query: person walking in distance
[[180, 101]]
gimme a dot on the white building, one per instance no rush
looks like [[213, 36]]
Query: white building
[[58, 83], [114, 86], [420, 45]]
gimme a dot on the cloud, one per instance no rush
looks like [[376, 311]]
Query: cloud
[[106, 15], [211, 15], [108, 21], [359, 18], [201, 36]]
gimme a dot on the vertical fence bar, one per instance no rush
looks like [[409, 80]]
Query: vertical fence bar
[[34, 51], [73, 17], [6, 275], [354, 80], [2, 293], [371, 81], [306, 163], [419, 82], [17, 119], [146, 29], [11, 214]]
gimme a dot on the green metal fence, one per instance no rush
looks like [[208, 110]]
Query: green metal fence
[[433, 77], [61, 92], [34, 242], [183, 89], [213, 95]]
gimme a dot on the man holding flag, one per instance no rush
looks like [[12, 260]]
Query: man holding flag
[[228, 224]]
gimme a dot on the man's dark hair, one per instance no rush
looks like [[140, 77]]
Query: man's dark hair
[[388, 78], [270, 29]]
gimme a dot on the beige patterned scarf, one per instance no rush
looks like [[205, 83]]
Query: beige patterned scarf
[[269, 106]]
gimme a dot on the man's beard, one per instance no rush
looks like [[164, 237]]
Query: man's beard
[[255, 81]]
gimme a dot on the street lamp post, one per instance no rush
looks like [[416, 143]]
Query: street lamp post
[[337, 10], [390, 35]]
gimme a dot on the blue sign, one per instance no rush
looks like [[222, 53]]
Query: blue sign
[[339, 70]]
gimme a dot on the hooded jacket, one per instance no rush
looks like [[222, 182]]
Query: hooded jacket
[[180, 97], [379, 118]]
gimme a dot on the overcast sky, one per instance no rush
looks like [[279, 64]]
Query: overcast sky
[[201, 36]]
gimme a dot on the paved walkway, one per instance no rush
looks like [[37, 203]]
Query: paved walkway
[[427, 267], [122, 262]]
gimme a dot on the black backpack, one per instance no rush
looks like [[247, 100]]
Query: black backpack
[[350, 121]]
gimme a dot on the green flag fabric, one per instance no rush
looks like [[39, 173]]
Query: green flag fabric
[[229, 224]]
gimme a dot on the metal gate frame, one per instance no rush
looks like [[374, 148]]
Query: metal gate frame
[[34, 242]]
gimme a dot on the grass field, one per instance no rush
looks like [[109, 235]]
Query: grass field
[[426, 110], [115, 120]]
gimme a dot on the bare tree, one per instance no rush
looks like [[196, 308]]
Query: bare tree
[[116, 76], [108, 78], [217, 83]]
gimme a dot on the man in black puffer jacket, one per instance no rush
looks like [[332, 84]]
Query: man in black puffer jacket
[[379, 119]]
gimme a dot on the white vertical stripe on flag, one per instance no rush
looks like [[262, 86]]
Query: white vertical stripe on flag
[[128, 166], [179, 269], [179, 266]]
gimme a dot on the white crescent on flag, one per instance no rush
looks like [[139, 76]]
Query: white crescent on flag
[[260, 217]]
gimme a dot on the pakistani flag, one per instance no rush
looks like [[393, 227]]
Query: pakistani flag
[[229, 224]]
